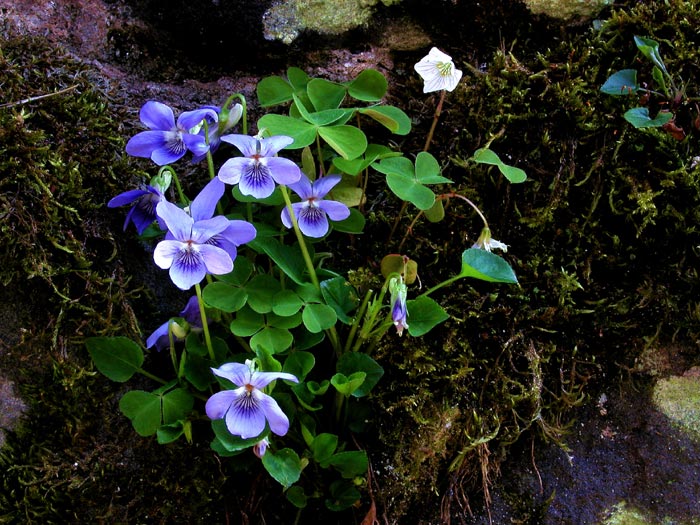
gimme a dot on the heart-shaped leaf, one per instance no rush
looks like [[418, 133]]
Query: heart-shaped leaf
[[486, 266], [621, 83], [118, 358], [369, 86], [639, 118], [486, 156]]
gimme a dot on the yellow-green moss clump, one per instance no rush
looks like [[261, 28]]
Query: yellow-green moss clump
[[678, 397], [567, 9], [285, 20]]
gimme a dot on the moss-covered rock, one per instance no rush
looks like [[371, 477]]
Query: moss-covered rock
[[567, 9]]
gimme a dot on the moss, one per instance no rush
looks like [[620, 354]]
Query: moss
[[678, 397], [567, 9], [286, 19]]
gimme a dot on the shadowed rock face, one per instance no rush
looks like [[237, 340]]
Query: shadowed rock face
[[11, 408]]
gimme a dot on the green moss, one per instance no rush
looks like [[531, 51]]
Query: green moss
[[566, 9], [285, 20], [678, 397]]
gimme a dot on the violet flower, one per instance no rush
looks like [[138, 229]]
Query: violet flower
[[143, 209], [188, 254], [236, 233], [399, 311], [191, 314], [311, 212], [168, 141], [247, 408], [258, 170], [227, 118]]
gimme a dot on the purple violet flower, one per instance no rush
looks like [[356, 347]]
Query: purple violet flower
[[399, 311], [236, 233], [189, 254], [247, 408], [258, 170], [143, 209], [227, 119], [167, 141], [191, 314], [311, 212]]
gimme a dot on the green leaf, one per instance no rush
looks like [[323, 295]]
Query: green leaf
[[325, 94], [229, 441], [355, 223], [348, 141], [658, 77], [286, 303], [247, 323], [197, 371], [170, 433], [318, 317], [436, 212], [176, 404], [372, 153], [350, 464], [369, 86], [323, 447], [261, 292], [486, 266], [621, 83], [299, 364], [276, 340], [318, 389], [486, 156], [301, 131], [306, 397], [428, 169], [118, 358], [639, 118], [288, 258], [341, 296], [346, 385], [143, 409], [297, 78], [423, 315], [407, 188], [148, 411], [343, 495], [224, 297], [274, 90], [295, 495], [650, 49], [284, 466], [392, 118], [352, 362]]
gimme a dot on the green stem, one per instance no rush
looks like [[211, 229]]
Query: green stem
[[300, 238], [356, 323], [171, 339], [440, 285], [181, 194], [151, 376], [332, 333], [205, 325]]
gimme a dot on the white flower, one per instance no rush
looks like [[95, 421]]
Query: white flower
[[438, 72], [485, 242]]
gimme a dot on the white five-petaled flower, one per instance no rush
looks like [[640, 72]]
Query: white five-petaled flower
[[438, 72]]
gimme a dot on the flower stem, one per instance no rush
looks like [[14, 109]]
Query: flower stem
[[438, 111], [300, 238], [205, 325], [332, 333]]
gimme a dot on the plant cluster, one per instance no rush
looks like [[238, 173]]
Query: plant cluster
[[669, 95], [274, 347]]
